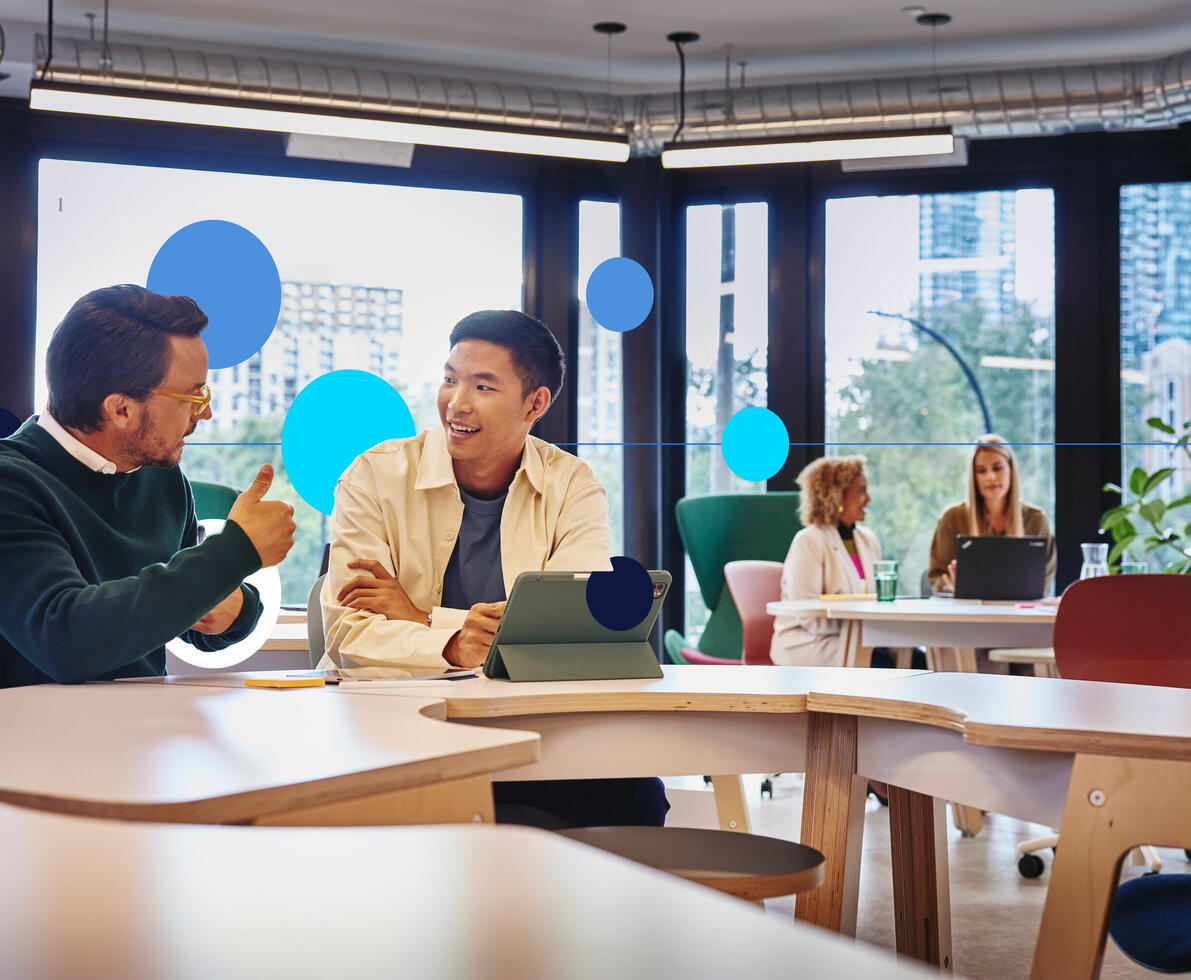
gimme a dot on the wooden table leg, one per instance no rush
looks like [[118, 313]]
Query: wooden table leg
[[1113, 804], [921, 888], [730, 807], [969, 821], [833, 821]]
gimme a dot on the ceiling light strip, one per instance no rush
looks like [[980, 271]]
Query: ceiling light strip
[[861, 146], [202, 112]]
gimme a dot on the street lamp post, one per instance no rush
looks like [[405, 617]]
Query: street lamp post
[[930, 332]]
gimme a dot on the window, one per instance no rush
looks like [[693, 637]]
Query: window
[[347, 254], [727, 335], [1155, 329], [918, 288], [598, 370]]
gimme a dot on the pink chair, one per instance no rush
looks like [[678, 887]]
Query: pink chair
[[755, 584]]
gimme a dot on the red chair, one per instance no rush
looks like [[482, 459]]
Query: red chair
[[1129, 629], [755, 584]]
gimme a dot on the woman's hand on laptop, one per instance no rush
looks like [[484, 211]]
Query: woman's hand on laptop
[[469, 647], [949, 576], [380, 592]]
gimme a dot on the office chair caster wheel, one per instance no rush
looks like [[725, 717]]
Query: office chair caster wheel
[[1030, 866], [767, 788]]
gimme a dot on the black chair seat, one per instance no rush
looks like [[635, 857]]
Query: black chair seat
[[746, 865]]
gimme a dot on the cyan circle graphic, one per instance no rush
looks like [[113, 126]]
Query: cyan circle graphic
[[228, 271], [9, 423], [755, 444], [334, 419], [620, 599], [619, 294]]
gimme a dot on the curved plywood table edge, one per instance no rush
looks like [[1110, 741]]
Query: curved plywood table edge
[[520, 748], [1082, 741], [890, 709], [502, 705]]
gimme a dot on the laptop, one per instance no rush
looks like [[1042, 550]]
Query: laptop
[[547, 632], [1000, 568]]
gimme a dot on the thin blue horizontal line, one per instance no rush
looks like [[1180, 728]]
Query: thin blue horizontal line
[[1060, 445]]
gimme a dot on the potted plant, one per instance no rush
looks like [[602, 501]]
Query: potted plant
[[1143, 521]]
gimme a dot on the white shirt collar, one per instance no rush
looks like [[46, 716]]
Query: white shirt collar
[[84, 454]]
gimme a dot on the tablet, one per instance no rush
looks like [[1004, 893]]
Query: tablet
[[547, 632]]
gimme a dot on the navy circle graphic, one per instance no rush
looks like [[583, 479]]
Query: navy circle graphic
[[620, 599]]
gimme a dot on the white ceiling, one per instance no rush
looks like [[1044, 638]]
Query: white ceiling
[[551, 41]]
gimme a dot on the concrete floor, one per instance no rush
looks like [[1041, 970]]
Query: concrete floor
[[995, 912]]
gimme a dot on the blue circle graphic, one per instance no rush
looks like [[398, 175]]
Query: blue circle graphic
[[755, 444], [620, 599], [334, 419], [619, 294], [9, 423], [229, 272]]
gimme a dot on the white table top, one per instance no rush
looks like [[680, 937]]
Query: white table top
[[1039, 713], [183, 752], [99, 898], [916, 610]]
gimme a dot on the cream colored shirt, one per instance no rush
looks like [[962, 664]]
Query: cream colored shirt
[[818, 563], [399, 504]]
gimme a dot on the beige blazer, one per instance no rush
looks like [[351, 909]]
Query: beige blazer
[[818, 563], [399, 504]]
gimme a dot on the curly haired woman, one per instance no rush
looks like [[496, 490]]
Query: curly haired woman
[[831, 554]]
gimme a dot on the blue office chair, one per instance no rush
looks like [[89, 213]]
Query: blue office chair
[[1151, 922]]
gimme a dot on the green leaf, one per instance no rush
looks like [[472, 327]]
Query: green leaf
[[1155, 478], [1153, 511], [1187, 530], [1137, 480], [1110, 488], [1124, 530], [1118, 549], [1157, 423], [1180, 502], [1111, 518]]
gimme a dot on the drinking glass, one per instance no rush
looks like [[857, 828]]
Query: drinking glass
[[885, 574], [1134, 568], [1095, 561]]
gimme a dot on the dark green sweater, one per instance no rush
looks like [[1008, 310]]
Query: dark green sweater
[[98, 571]]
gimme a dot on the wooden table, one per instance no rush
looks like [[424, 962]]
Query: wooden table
[[692, 721], [96, 898], [698, 720], [1113, 761], [185, 753], [937, 623], [950, 629]]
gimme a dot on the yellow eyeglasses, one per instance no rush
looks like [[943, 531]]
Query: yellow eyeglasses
[[199, 401]]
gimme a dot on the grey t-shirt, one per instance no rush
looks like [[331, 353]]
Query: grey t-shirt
[[474, 573]]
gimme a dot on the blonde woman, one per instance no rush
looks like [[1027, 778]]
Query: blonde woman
[[831, 554], [994, 506]]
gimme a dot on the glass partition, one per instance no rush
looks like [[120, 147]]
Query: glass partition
[[373, 277], [939, 327]]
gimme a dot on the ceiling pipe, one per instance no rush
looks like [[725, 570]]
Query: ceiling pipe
[[1027, 101]]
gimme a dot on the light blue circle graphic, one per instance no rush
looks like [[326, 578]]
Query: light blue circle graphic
[[334, 419], [229, 272], [619, 294], [755, 444]]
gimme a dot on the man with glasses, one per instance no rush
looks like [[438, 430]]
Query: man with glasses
[[98, 555]]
